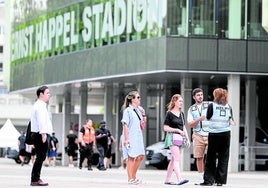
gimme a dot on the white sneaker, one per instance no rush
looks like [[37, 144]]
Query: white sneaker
[[71, 165], [201, 176]]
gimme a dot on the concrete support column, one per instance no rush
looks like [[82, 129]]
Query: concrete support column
[[108, 107], [233, 100], [250, 124], [160, 112], [109, 111], [186, 92], [83, 92], [67, 108], [143, 93], [118, 104]]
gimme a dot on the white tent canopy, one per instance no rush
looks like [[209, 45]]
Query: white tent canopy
[[9, 135]]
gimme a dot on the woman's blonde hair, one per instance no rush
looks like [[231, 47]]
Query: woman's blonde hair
[[128, 99], [173, 99]]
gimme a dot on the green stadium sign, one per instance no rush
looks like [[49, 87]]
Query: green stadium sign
[[81, 24]]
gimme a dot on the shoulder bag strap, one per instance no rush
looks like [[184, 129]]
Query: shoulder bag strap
[[137, 113]]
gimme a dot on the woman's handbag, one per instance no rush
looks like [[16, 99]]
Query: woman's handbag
[[177, 139], [29, 138], [142, 124], [168, 140]]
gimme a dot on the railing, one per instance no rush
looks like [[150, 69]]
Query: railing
[[258, 154]]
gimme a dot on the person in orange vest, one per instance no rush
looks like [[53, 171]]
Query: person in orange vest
[[86, 143]]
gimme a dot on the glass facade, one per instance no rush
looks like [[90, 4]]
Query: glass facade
[[256, 14], [210, 19], [198, 18], [42, 29], [108, 37], [202, 18], [46, 28], [176, 18]]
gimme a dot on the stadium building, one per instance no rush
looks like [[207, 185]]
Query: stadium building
[[91, 53]]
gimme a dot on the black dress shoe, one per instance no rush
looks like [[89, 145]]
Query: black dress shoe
[[102, 168], [219, 184], [206, 184]]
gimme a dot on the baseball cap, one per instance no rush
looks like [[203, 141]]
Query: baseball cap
[[102, 123]]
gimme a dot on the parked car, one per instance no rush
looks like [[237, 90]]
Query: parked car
[[159, 157]]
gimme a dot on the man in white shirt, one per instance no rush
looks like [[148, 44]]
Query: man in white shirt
[[196, 119], [41, 125]]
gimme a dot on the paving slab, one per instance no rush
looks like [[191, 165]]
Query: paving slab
[[15, 175]]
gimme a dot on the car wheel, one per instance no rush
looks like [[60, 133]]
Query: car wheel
[[266, 165], [163, 165]]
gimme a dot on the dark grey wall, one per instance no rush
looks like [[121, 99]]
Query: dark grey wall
[[232, 56], [132, 57], [172, 53], [257, 56], [217, 55]]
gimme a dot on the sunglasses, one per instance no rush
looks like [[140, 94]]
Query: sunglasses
[[138, 97]]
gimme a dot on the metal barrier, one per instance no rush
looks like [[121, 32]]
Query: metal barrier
[[258, 154]]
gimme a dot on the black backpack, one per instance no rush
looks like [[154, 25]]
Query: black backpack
[[29, 135]]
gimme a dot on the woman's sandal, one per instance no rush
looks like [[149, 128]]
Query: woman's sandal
[[170, 183], [134, 181], [183, 182]]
